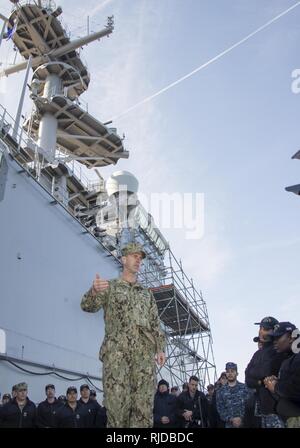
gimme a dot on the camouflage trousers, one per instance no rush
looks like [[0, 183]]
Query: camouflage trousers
[[268, 420], [129, 384], [271, 421], [293, 422]]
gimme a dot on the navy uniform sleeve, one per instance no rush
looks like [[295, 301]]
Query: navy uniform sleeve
[[92, 304]]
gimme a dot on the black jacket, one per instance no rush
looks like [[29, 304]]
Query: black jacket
[[12, 417], [94, 413], [213, 415], [67, 418], [101, 417], [250, 420], [287, 389], [46, 414], [198, 405], [164, 406], [264, 362]]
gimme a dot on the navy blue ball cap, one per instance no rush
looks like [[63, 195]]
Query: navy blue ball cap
[[267, 322], [231, 365], [71, 389], [283, 327]]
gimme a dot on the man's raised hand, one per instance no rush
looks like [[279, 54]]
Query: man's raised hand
[[99, 285]]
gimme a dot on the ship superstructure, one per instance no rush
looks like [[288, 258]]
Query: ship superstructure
[[58, 228]]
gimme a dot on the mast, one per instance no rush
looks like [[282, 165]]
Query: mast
[[58, 122]]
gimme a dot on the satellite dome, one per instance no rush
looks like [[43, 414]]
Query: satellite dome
[[120, 181]]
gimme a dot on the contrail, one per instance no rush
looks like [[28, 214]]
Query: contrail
[[206, 64], [99, 7]]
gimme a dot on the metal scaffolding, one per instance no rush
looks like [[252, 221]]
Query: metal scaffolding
[[184, 317]]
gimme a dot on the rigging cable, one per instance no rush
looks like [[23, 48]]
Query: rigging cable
[[84, 377]]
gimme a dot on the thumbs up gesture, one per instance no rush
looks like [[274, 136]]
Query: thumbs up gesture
[[99, 285]]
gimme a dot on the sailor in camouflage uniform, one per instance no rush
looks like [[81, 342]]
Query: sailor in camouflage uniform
[[231, 399], [132, 338]]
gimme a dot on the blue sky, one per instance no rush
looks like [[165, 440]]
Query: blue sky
[[229, 132]]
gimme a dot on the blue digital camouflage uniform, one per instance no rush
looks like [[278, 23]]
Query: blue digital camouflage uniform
[[132, 338], [231, 402], [268, 420]]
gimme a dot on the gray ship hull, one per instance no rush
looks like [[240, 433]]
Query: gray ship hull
[[47, 263]]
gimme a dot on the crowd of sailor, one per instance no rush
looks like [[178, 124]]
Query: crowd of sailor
[[269, 398]]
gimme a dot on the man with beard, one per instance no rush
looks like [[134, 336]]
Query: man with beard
[[231, 398], [132, 338], [265, 362], [286, 388]]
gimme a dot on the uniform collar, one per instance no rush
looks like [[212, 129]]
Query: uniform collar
[[128, 284], [238, 383]]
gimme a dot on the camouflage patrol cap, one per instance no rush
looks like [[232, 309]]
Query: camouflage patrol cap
[[132, 248], [21, 386]]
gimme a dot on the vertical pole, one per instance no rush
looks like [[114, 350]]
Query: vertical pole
[[88, 25], [47, 135], [2, 31], [21, 102], [2, 120]]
